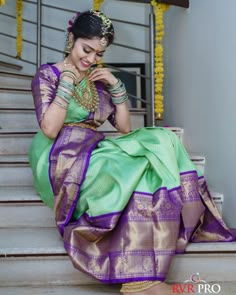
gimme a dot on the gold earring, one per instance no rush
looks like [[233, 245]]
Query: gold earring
[[68, 48]]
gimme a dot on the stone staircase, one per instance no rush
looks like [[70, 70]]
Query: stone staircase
[[32, 257]]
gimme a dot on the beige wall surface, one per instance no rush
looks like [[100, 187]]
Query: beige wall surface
[[200, 82]]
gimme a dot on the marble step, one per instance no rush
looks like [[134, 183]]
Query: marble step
[[14, 169], [26, 119], [15, 91], [17, 141], [17, 201], [36, 257], [6, 66], [19, 98], [15, 80], [94, 289], [19, 193], [28, 240], [25, 215], [16, 99], [226, 289]]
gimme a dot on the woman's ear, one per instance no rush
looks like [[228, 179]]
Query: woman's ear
[[71, 39]]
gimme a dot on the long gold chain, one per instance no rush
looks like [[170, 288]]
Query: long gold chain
[[87, 96]]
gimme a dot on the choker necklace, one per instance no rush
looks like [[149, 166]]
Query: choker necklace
[[86, 94]]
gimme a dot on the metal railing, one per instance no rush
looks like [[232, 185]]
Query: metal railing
[[147, 101]]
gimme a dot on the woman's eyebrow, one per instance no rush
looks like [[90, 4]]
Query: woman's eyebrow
[[94, 48]]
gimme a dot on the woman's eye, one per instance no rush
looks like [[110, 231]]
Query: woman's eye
[[87, 50], [100, 54]]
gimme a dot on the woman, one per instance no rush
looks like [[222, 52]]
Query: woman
[[123, 206]]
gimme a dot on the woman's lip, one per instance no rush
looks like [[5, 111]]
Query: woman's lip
[[85, 64]]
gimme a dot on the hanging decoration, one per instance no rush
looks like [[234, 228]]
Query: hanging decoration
[[19, 23], [159, 10], [97, 4], [2, 2]]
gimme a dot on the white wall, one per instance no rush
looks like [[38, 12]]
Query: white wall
[[200, 88]]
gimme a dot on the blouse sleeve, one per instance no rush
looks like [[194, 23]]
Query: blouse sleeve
[[43, 86]]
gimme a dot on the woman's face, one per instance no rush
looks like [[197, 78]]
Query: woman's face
[[85, 53]]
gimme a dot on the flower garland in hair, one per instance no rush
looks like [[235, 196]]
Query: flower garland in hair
[[68, 29], [97, 4], [2, 2], [19, 12], [159, 9]]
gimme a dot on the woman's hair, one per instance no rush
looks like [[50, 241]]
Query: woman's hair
[[91, 24]]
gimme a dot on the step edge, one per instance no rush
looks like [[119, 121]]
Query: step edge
[[52, 252]]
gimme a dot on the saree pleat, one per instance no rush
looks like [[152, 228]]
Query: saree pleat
[[124, 206]]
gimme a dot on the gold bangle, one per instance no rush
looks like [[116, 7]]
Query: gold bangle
[[58, 103], [69, 75]]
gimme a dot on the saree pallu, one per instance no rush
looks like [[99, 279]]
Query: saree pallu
[[124, 206]]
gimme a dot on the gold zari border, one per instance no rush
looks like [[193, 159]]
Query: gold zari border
[[82, 125]]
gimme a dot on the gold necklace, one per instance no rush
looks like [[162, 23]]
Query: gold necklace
[[86, 95]]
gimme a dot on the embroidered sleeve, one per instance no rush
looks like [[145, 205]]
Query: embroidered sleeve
[[43, 87]]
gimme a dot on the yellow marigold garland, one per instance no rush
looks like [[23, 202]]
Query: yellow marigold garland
[[19, 12], [97, 4], [2, 2], [159, 9]]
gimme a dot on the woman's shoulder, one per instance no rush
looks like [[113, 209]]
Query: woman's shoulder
[[48, 72]]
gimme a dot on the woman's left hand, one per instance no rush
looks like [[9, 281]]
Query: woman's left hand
[[104, 75]]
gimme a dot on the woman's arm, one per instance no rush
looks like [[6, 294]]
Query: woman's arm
[[122, 115], [55, 114], [54, 118], [122, 118]]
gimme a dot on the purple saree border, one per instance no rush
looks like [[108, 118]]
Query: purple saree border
[[111, 280], [143, 194], [88, 156], [123, 274], [189, 172], [57, 73], [131, 279]]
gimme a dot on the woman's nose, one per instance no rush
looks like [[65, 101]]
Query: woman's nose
[[92, 57]]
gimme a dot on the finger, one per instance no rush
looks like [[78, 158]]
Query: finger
[[98, 76], [97, 73]]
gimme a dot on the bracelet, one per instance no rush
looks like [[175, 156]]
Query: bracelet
[[115, 87], [118, 91], [68, 71], [120, 99], [69, 74], [63, 95], [119, 94], [67, 85], [58, 103]]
